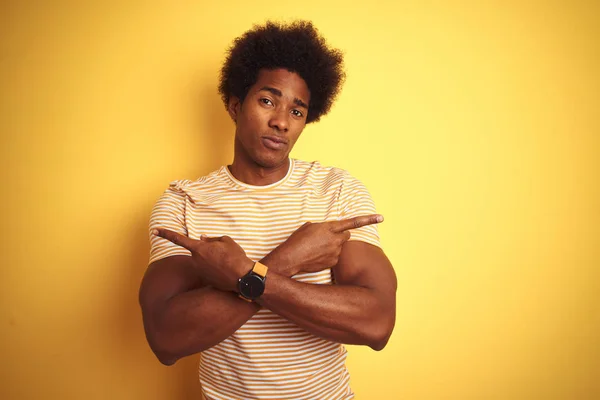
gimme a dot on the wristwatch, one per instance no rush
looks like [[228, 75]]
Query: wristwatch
[[252, 285]]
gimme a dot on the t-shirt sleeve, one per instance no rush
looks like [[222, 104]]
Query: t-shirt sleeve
[[355, 200], [168, 213]]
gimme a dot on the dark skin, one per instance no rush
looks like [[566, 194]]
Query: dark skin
[[189, 304], [275, 107]]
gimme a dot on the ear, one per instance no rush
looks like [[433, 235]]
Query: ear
[[234, 107]]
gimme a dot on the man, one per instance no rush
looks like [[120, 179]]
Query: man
[[267, 265]]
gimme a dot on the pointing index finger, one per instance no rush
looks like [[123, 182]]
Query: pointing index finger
[[356, 222], [175, 238]]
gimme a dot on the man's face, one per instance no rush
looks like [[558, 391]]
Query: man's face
[[271, 118]]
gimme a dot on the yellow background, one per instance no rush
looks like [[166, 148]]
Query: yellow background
[[475, 127]]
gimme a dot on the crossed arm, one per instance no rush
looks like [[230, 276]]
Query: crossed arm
[[189, 305]]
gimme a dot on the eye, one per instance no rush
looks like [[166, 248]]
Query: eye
[[266, 101], [297, 113]]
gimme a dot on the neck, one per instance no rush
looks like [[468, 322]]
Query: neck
[[248, 171]]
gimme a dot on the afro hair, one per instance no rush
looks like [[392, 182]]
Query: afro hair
[[297, 47]]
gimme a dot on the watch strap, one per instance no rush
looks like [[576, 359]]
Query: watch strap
[[260, 269]]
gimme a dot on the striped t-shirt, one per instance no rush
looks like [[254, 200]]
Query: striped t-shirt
[[268, 357]]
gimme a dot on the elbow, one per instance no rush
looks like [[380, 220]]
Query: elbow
[[378, 344], [166, 358], [379, 335], [168, 350], [163, 349], [165, 355]]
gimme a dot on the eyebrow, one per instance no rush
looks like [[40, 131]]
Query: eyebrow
[[278, 93]]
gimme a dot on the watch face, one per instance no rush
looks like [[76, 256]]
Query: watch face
[[251, 286]]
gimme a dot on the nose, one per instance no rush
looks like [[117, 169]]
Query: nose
[[279, 120]]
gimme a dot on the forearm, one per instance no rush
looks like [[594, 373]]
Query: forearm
[[199, 318], [345, 314], [196, 320]]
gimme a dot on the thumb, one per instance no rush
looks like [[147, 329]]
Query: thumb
[[207, 239]]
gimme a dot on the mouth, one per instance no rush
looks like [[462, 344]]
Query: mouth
[[274, 142]]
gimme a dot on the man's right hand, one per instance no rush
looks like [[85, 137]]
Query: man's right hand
[[220, 260], [317, 246]]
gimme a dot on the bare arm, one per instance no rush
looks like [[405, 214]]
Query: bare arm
[[184, 316], [358, 309], [189, 304]]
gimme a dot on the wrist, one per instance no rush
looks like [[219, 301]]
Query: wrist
[[275, 279], [252, 285], [278, 263], [245, 267]]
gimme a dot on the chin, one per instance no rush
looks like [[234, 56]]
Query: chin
[[270, 160]]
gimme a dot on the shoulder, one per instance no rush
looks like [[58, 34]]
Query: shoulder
[[313, 172], [198, 187]]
